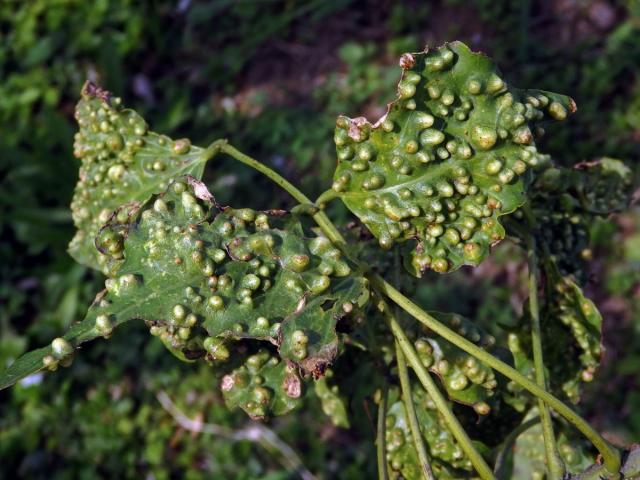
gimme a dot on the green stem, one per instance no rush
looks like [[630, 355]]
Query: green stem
[[418, 440], [610, 455], [326, 197], [381, 441], [441, 404], [320, 218], [554, 461]]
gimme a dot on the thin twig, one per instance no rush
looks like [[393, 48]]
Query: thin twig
[[381, 440], [418, 439], [255, 432]]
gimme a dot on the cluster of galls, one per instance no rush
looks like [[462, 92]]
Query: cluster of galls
[[61, 354], [582, 319], [443, 450], [465, 379], [263, 385], [122, 161], [204, 281], [446, 160]]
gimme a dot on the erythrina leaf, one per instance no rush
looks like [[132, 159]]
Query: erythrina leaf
[[448, 158], [564, 202], [526, 458], [263, 385], [232, 276], [571, 337], [572, 330], [206, 280], [465, 379], [447, 457], [121, 161], [333, 404]]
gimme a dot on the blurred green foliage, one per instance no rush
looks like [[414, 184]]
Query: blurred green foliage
[[273, 76]]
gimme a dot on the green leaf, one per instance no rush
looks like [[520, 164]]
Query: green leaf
[[447, 458], [446, 161], [333, 405], [50, 357], [204, 280], [207, 281], [571, 337], [528, 454], [572, 333], [264, 385], [465, 379], [564, 203], [121, 162], [599, 187]]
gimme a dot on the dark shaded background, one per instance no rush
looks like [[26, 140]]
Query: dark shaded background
[[272, 76]]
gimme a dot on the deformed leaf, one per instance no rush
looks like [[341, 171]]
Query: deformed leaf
[[208, 282], [571, 336], [564, 202], [446, 161], [528, 453], [599, 187], [333, 405], [447, 457], [192, 273], [568, 314], [121, 162], [263, 385], [465, 379]]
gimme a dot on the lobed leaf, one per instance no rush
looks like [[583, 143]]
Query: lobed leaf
[[230, 277], [219, 285], [121, 162], [449, 158]]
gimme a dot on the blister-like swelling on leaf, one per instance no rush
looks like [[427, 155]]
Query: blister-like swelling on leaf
[[61, 350], [447, 160], [203, 280], [465, 379], [447, 457], [571, 338], [121, 162], [599, 187], [564, 202], [572, 319], [264, 385], [528, 460], [333, 405]]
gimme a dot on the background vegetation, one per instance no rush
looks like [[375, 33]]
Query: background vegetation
[[271, 75]]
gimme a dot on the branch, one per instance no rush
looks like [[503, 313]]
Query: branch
[[418, 439], [554, 461], [381, 438]]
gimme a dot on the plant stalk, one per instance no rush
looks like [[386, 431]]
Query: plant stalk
[[418, 439], [441, 404], [554, 461], [610, 455], [320, 218], [381, 439]]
